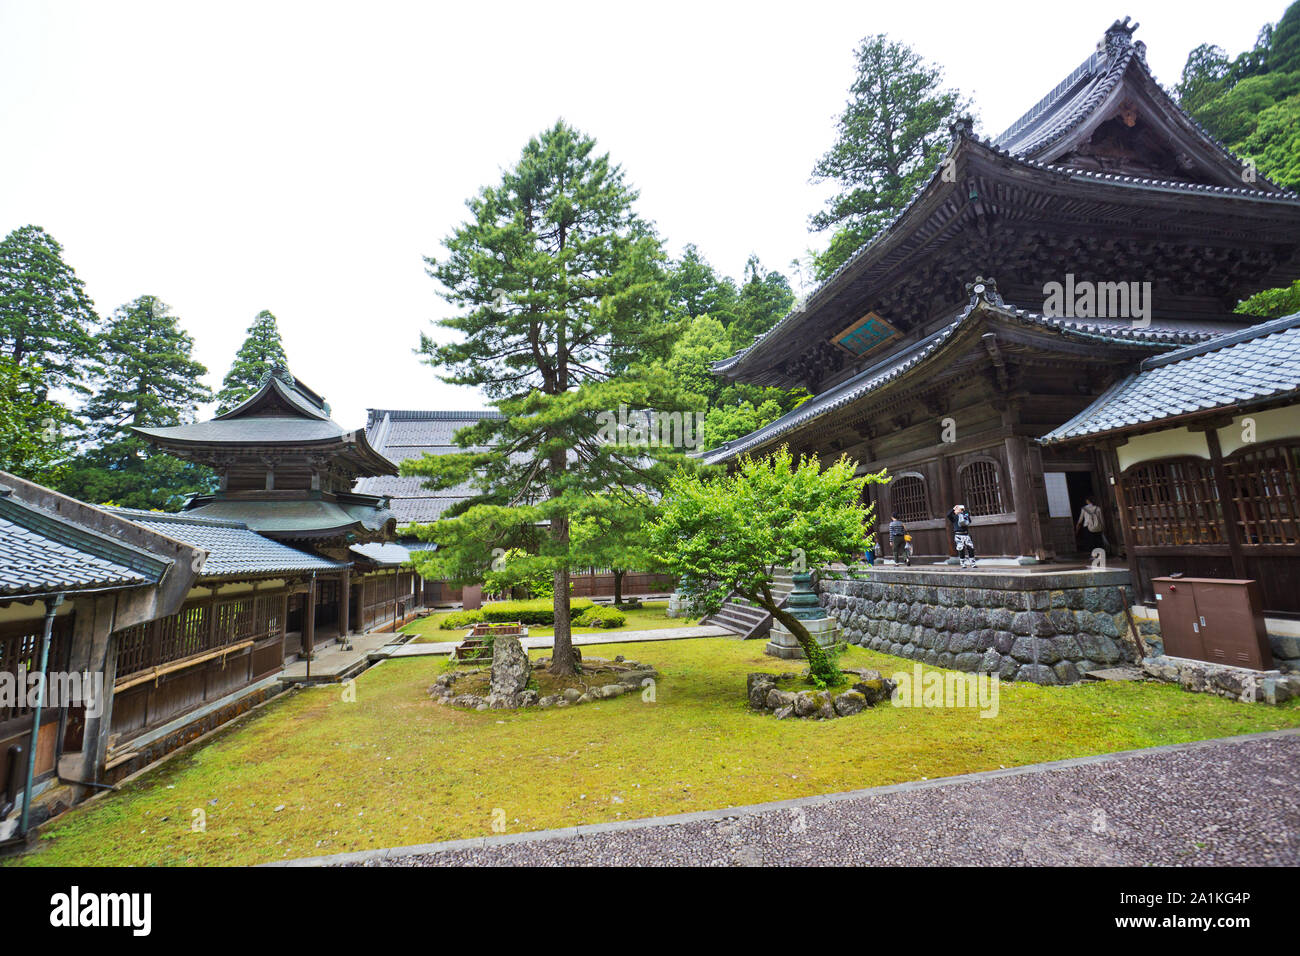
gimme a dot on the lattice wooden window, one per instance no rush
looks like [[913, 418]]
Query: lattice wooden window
[[1265, 487], [20, 651], [1173, 503], [981, 488], [907, 492]]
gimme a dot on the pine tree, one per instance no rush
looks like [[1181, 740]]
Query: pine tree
[[262, 351], [146, 376], [560, 287], [46, 318], [892, 134], [696, 289], [33, 430], [764, 300]]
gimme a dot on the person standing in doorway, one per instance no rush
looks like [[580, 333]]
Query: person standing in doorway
[[960, 520], [898, 540], [1093, 524]]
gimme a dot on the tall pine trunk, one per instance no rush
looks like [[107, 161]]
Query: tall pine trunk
[[618, 587], [562, 661]]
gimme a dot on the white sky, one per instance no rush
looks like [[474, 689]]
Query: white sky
[[230, 157]]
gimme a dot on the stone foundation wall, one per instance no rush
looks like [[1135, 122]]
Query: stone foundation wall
[[1047, 627], [1235, 683]]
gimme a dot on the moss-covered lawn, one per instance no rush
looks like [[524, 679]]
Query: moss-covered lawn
[[314, 774], [652, 616]]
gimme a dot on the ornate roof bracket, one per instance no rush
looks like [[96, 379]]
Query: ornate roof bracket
[[984, 290], [990, 341]]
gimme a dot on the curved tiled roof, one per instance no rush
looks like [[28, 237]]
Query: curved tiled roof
[[233, 548], [249, 431], [280, 382], [402, 434], [1075, 97], [1254, 365], [1060, 112], [42, 552], [902, 361]]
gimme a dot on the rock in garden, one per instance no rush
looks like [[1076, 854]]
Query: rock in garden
[[779, 699], [807, 703], [510, 668], [572, 694], [758, 678], [634, 679], [758, 695], [873, 691], [850, 702]]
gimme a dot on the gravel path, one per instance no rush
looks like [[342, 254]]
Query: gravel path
[[1228, 802]]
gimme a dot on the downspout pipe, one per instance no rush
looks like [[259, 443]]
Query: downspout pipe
[[51, 608]]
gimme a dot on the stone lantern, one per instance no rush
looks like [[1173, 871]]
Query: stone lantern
[[803, 605]]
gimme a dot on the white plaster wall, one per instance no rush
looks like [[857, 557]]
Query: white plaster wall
[[1269, 426], [1165, 444]]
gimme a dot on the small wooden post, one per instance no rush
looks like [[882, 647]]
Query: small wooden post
[[1227, 503], [345, 610], [309, 625]]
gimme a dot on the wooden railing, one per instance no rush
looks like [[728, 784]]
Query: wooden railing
[[199, 629]]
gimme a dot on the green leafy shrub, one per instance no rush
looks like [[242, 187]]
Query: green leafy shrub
[[538, 613], [598, 616], [460, 619]]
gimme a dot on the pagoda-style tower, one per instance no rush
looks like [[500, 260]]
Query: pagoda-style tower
[[286, 469]]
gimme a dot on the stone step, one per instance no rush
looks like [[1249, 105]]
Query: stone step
[[737, 626], [731, 617], [744, 609], [741, 619]]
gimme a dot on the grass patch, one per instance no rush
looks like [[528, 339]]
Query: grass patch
[[314, 774], [651, 616]]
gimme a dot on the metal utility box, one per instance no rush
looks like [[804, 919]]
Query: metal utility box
[[1213, 619]]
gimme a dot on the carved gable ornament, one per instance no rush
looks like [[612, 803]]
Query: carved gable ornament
[[869, 334]]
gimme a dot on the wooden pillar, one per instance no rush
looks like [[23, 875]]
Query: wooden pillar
[[363, 602], [309, 622], [284, 623], [345, 604], [94, 616], [397, 597], [1028, 530], [1227, 503], [212, 619], [946, 500], [1121, 505]]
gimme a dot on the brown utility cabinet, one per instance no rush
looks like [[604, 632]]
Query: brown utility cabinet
[[1213, 619]]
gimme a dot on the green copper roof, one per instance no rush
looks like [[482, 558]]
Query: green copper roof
[[250, 431], [310, 518]]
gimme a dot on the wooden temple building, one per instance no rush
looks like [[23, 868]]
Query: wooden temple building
[[1204, 446], [1025, 278], [189, 619], [287, 471]]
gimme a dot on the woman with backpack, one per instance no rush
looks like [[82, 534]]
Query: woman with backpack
[[960, 520]]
